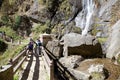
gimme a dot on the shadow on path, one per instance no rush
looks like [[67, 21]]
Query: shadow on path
[[27, 70], [36, 69]]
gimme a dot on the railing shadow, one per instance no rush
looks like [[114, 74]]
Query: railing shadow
[[36, 69], [27, 70], [61, 71]]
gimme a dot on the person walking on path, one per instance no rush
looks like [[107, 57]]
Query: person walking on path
[[38, 46], [30, 46]]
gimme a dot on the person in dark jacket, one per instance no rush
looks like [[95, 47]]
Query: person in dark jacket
[[38, 46], [30, 46]]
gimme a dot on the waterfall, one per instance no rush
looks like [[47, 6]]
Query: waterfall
[[84, 18]]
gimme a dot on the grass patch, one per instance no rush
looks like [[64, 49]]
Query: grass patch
[[16, 77], [10, 53], [102, 40], [39, 29], [94, 30]]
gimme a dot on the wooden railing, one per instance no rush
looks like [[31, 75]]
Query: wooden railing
[[49, 65], [13, 65], [52, 65], [60, 70], [18, 60]]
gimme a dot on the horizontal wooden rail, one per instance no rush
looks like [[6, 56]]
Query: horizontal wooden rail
[[18, 60], [15, 60], [15, 64], [19, 64]]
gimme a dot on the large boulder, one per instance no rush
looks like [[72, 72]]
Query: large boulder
[[114, 41], [55, 47], [76, 44], [71, 61], [99, 69], [90, 69], [79, 75], [97, 72], [94, 72]]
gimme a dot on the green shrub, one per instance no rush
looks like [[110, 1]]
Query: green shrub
[[11, 52], [5, 19], [16, 77], [17, 22], [40, 28], [10, 32]]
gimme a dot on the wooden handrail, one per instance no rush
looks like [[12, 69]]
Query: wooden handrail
[[15, 60], [13, 65], [18, 60], [19, 65], [60, 66]]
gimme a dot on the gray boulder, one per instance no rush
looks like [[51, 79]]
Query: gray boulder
[[76, 44], [55, 47], [114, 40], [80, 75], [97, 72], [71, 61], [94, 72]]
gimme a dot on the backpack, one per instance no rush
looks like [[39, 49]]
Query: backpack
[[38, 43]]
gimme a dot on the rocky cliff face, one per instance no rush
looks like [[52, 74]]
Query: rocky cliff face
[[105, 14], [99, 18], [65, 16]]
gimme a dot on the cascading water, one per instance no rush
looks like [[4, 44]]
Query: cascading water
[[84, 18]]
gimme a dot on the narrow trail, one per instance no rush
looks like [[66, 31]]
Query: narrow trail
[[33, 69]]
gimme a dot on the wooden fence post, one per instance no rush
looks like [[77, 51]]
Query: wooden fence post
[[52, 70], [6, 72]]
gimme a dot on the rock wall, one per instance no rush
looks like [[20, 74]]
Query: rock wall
[[114, 40], [76, 44]]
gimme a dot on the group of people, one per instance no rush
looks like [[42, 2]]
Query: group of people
[[38, 46]]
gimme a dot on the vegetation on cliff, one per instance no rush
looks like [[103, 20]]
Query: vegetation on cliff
[[3, 46], [115, 12]]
